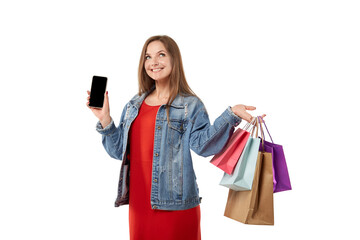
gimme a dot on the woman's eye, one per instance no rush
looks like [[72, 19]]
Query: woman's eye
[[147, 57], [163, 54]]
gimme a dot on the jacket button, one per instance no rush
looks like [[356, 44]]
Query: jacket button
[[156, 154], [159, 127], [155, 180], [155, 207]]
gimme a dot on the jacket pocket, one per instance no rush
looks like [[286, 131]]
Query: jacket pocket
[[176, 131]]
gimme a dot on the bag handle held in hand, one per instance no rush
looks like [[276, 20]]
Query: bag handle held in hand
[[262, 135], [266, 129], [249, 125], [257, 127]]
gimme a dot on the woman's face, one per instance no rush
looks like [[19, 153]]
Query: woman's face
[[157, 61]]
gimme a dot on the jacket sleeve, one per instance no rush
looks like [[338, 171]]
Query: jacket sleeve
[[112, 136], [207, 139]]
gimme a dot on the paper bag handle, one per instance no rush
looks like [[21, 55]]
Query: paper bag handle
[[257, 127], [266, 129], [249, 125], [262, 135]]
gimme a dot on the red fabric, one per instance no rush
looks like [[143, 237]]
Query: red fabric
[[145, 222]]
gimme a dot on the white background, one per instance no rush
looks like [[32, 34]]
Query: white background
[[296, 61]]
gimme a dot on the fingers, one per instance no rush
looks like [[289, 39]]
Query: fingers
[[247, 117], [106, 100], [250, 108], [261, 121], [88, 99]]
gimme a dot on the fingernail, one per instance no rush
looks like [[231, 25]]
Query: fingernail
[[106, 92]]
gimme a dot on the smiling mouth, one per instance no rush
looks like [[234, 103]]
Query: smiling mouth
[[156, 70]]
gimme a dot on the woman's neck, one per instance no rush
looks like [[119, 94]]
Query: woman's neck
[[162, 90]]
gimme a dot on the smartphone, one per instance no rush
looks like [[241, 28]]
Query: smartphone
[[98, 88]]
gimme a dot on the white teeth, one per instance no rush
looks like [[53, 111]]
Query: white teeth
[[157, 70]]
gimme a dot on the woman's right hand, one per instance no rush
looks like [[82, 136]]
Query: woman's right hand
[[103, 114]]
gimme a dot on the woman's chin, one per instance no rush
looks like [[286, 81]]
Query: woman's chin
[[159, 79]]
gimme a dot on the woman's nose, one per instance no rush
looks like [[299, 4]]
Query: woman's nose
[[154, 62]]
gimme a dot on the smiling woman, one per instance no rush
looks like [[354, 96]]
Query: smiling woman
[[161, 64], [158, 128]]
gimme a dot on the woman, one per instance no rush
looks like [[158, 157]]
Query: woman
[[157, 129]]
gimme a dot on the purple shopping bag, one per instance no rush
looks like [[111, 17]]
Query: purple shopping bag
[[280, 170]]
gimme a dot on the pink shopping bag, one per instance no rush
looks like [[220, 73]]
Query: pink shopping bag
[[230, 154]]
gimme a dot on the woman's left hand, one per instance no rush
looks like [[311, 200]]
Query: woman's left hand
[[240, 110]]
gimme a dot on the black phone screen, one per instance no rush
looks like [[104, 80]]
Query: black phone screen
[[98, 88]]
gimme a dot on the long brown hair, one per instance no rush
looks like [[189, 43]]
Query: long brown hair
[[178, 83]]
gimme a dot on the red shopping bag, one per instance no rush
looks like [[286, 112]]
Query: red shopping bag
[[228, 157]]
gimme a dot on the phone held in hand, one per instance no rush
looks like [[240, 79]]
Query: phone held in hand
[[98, 88]]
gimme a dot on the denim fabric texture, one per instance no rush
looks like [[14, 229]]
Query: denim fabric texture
[[174, 185]]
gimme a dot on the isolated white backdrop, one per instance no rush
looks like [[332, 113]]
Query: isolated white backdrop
[[296, 61]]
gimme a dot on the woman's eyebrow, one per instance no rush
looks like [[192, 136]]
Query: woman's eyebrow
[[157, 52]]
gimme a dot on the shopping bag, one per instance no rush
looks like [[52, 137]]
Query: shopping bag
[[255, 206], [227, 158], [243, 175], [281, 175]]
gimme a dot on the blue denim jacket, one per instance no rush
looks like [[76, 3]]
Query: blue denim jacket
[[174, 185]]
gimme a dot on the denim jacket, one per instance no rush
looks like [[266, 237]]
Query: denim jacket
[[174, 185]]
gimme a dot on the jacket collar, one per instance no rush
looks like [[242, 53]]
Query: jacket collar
[[137, 100]]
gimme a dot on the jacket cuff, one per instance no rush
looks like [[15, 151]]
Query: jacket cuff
[[109, 129], [231, 117]]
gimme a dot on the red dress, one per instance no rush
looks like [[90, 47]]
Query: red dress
[[146, 223]]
